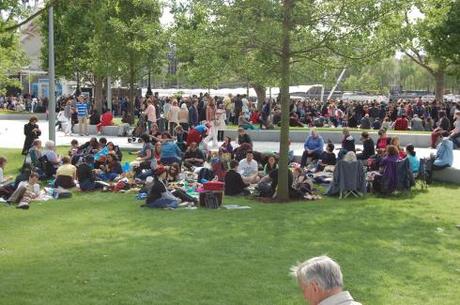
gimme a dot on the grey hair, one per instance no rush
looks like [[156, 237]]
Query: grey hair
[[350, 156], [322, 269], [49, 145]]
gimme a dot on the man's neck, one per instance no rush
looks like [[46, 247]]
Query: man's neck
[[328, 294]]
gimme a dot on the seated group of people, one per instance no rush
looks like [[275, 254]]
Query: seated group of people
[[379, 156]]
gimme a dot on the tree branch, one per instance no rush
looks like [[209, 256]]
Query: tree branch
[[420, 62], [31, 17]]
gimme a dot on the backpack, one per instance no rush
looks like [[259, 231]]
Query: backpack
[[205, 174], [264, 189], [46, 166], [211, 201]]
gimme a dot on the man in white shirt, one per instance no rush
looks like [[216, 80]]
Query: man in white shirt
[[320, 279], [26, 192], [249, 169]]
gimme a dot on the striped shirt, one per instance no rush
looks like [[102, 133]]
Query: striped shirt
[[82, 110]]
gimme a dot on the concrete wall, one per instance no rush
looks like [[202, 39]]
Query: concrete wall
[[418, 140], [23, 116]]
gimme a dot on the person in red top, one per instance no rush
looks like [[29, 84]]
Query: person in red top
[[196, 134], [401, 123], [106, 120], [254, 119]]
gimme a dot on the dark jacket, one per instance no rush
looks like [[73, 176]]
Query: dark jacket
[[30, 136], [234, 184], [193, 115], [368, 148]]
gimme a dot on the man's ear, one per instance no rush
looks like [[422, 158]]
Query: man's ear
[[315, 286]]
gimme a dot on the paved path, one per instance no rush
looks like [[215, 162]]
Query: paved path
[[11, 136]]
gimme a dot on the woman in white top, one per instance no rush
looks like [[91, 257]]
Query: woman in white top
[[221, 117], [183, 116], [173, 117]]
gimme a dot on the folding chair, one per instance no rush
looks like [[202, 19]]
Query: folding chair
[[421, 178]]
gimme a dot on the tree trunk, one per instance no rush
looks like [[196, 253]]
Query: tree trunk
[[283, 187], [132, 81], [439, 77], [98, 88], [261, 92]]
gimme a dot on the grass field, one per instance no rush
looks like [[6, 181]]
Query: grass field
[[102, 248]]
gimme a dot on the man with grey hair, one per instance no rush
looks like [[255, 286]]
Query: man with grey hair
[[320, 279]]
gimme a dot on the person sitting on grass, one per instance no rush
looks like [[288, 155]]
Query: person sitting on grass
[[321, 282], [114, 149], [111, 169], [85, 175], [3, 178], [51, 155], [348, 143], [160, 197], [26, 192], [249, 169], [34, 154], [169, 173], [328, 156], [414, 161], [193, 157], [383, 141], [368, 147], [313, 147], [170, 152], [234, 184], [395, 142], [271, 165], [66, 174]]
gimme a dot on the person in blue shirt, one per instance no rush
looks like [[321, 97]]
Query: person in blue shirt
[[414, 161], [314, 146], [170, 152], [443, 158], [82, 113]]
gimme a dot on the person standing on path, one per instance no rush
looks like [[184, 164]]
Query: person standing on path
[[32, 132], [82, 112]]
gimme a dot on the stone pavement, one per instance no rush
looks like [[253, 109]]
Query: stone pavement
[[12, 136]]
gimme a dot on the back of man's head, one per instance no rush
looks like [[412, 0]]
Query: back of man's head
[[322, 270]]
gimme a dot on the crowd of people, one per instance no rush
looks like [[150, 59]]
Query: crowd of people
[[183, 140]]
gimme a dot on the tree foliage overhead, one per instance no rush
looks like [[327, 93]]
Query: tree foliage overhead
[[427, 40], [99, 38], [263, 40], [12, 57]]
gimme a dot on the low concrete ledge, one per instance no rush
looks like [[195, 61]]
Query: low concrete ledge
[[111, 131], [418, 140], [449, 175], [23, 116]]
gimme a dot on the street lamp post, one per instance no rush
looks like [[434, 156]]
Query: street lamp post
[[52, 91]]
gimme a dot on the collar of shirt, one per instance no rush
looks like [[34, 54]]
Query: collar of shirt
[[343, 297]]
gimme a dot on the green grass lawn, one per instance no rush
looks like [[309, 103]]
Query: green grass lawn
[[102, 248]]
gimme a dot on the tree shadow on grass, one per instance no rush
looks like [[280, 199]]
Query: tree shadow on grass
[[129, 256]]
